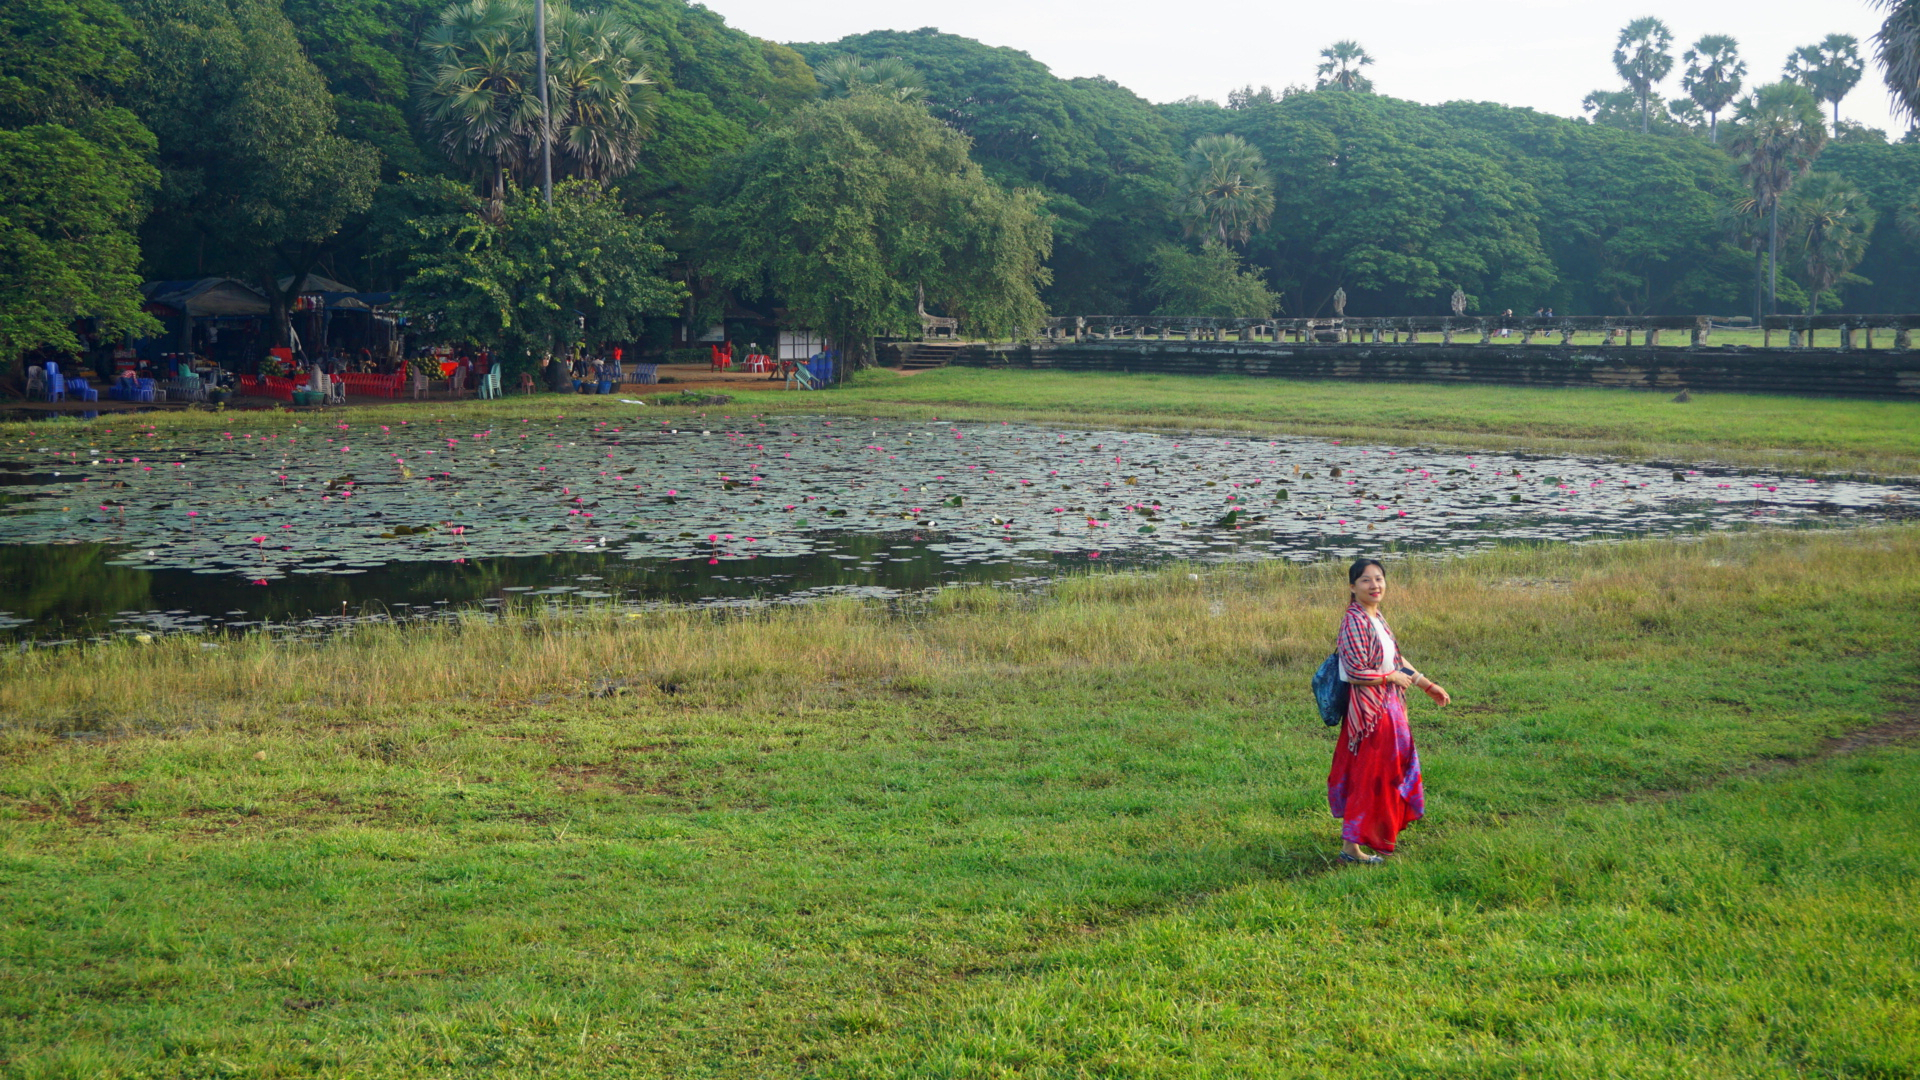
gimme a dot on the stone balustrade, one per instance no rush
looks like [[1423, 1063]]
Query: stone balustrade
[[1694, 331]]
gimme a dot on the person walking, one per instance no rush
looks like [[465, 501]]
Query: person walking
[[1374, 787]]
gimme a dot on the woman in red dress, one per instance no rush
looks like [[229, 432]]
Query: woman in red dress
[[1374, 787]]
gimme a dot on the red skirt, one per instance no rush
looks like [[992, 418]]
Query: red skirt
[[1374, 786]]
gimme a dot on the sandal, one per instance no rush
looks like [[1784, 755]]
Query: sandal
[[1367, 860]]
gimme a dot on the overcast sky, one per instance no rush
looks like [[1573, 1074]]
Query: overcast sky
[[1547, 54]]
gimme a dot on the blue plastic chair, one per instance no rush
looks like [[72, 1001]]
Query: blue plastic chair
[[79, 389], [56, 383], [144, 391]]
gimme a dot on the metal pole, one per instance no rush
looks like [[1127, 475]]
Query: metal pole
[[546, 118]]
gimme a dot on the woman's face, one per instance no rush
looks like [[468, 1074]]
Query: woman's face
[[1371, 586]]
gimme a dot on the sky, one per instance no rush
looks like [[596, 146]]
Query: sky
[[1547, 54]]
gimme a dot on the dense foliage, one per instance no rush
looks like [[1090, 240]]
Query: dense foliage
[[851, 208], [264, 139], [533, 279]]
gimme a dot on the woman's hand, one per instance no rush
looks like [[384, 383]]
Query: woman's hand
[[1438, 693], [1398, 678]]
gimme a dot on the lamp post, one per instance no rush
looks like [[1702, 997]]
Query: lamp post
[[546, 118]]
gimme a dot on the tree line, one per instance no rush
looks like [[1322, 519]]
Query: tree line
[[700, 172]]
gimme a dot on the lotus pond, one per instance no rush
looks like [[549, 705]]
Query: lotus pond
[[132, 530]]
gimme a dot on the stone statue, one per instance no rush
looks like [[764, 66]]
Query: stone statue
[[1459, 302], [1340, 302]]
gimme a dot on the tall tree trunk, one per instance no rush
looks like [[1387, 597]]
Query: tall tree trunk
[[1759, 284], [1773, 258]]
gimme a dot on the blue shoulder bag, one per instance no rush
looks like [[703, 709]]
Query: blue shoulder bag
[[1330, 692]]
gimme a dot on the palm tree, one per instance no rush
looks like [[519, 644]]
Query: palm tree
[[1830, 69], [1225, 192], [476, 97], [603, 96], [1897, 47], [844, 76], [1778, 133], [1642, 58], [1907, 218], [1340, 67], [1831, 223], [1712, 78], [479, 100]]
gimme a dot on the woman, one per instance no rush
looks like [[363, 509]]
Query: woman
[[1374, 788]]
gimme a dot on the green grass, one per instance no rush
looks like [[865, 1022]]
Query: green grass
[[1077, 834], [1813, 435]]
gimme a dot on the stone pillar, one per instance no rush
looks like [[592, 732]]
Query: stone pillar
[[1793, 339], [1486, 331], [1566, 334], [1653, 337], [1446, 333], [1612, 334], [1846, 337], [1903, 338], [1192, 334]]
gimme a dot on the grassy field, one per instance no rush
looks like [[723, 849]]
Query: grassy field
[[1080, 833], [1815, 435]]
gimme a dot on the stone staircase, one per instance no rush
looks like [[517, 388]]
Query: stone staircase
[[927, 355]]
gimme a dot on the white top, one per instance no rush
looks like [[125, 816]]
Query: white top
[[1387, 648]]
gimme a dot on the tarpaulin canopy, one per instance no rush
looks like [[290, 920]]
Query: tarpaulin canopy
[[207, 296]]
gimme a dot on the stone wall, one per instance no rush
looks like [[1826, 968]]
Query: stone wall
[[1877, 374]]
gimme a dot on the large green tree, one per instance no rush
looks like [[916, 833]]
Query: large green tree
[[256, 179], [1104, 159], [532, 280], [1211, 281], [1890, 176], [849, 208], [1385, 199], [74, 170], [1631, 223]]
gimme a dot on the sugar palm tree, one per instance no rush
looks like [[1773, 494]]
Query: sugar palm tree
[[1340, 67], [1778, 133], [1897, 47], [1712, 78], [1832, 222], [1907, 218], [1830, 69], [844, 76], [1225, 192], [1642, 58], [602, 93], [478, 94]]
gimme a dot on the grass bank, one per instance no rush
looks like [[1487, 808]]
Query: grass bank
[[1812, 435], [1076, 833]]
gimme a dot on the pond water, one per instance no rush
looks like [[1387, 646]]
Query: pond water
[[132, 530]]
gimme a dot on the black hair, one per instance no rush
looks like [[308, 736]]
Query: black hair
[[1360, 567]]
